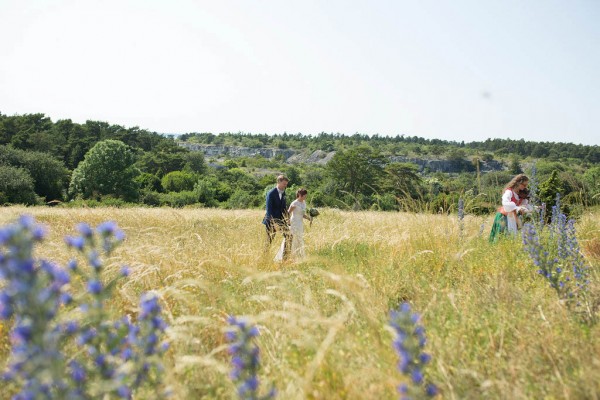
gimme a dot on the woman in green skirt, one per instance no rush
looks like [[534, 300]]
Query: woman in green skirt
[[506, 220]]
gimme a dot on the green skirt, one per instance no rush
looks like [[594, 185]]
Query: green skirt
[[498, 227]]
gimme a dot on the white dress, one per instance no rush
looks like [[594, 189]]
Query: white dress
[[512, 208], [297, 231]]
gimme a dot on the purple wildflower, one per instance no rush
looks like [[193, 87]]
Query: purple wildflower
[[94, 287], [557, 257], [245, 359], [32, 293], [409, 343]]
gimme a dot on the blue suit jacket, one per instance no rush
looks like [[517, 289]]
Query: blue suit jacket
[[276, 207]]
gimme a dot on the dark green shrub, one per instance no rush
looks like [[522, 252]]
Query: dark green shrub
[[17, 186], [242, 199], [178, 181], [178, 199], [149, 182]]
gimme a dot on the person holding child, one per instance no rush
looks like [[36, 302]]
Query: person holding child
[[514, 202], [297, 212]]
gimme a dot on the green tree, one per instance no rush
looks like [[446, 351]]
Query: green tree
[[313, 178], [515, 166], [240, 179], [178, 181], [549, 189], [194, 162], [487, 157], [242, 199], [293, 174], [402, 179], [107, 169], [591, 178], [162, 157], [205, 188], [149, 181], [456, 154], [16, 186], [50, 176], [356, 170]]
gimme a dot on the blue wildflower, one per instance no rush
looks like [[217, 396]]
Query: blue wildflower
[[245, 359], [77, 372], [94, 286], [409, 342], [75, 241], [558, 258], [85, 230], [32, 293]]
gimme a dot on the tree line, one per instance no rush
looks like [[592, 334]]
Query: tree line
[[98, 163]]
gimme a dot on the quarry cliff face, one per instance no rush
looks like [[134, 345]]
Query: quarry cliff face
[[292, 156]]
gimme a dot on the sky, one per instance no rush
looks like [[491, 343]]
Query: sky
[[460, 70]]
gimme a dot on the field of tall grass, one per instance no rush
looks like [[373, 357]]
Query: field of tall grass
[[495, 328]]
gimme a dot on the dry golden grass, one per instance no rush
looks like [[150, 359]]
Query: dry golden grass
[[495, 328]]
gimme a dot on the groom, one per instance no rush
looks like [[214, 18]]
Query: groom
[[277, 216]]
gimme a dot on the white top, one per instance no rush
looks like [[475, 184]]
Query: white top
[[510, 205]]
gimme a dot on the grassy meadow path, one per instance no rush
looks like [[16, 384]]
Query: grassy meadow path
[[495, 328]]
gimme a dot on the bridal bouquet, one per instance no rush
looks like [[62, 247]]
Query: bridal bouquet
[[313, 212]]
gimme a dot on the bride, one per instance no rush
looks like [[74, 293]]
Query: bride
[[297, 212]]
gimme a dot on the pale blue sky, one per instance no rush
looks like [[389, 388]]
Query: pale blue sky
[[455, 70]]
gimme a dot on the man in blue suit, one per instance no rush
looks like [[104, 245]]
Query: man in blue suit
[[277, 217]]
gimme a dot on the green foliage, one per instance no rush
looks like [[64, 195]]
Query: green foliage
[[356, 170], [359, 176], [515, 166], [240, 179], [16, 186], [266, 181], [401, 179], [49, 175], [222, 190], [313, 176], [195, 163], [150, 197], [231, 164], [149, 181], [69, 142], [456, 154], [385, 202], [293, 174], [178, 199], [318, 198], [161, 163], [107, 169], [487, 157], [242, 199], [206, 190], [545, 168], [26, 128], [445, 203], [178, 181], [591, 178], [549, 189]]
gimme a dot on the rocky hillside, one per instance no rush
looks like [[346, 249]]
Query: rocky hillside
[[292, 156]]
